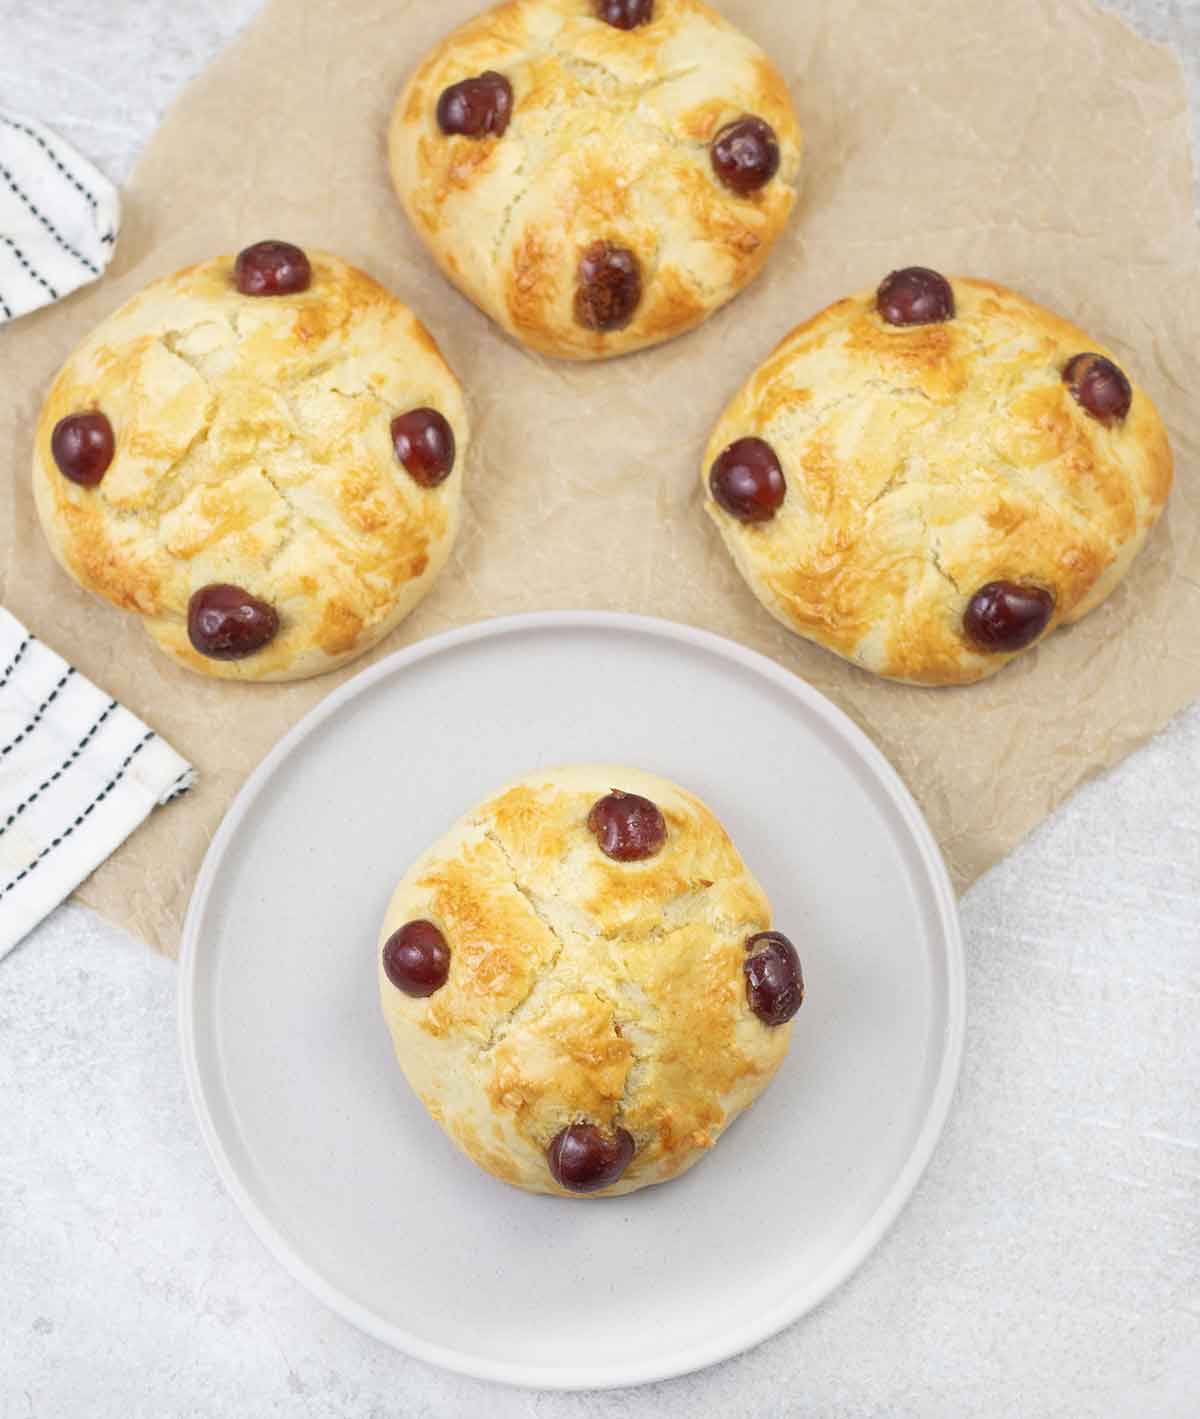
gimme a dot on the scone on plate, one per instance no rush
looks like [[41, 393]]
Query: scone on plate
[[581, 982], [597, 175], [927, 479], [260, 456]]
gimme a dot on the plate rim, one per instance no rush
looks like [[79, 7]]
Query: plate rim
[[798, 1303]]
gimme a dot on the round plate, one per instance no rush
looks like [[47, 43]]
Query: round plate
[[335, 1162]]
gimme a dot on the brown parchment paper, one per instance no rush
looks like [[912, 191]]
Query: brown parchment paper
[[1036, 142]]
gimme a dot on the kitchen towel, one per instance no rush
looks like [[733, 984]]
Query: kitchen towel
[[58, 217], [78, 773]]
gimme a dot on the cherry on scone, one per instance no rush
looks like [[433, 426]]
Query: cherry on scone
[[272, 268], [582, 1159], [774, 980], [745, 154], [424, 443], [1005, 616], [915, 296], [747, 481], [628, 828], [479, 107], [227, 623], [416, 959], [83, 445], [1099, 386], [609, 287], [625, 14]]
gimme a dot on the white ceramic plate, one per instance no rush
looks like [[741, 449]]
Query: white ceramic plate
[[336, 1164]]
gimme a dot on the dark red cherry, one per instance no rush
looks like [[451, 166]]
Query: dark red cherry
[[582, 1159], [915, 296], [416, 958], [625, 14], [477, 108], [627, 827], [272, 268], [83, 447], [774, 980], [748, 482], [1005, 616], [1100, 387], [745, 154], [424, 443], [227, 623], [609, 287]]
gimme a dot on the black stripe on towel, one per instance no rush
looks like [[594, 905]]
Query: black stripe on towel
[[49, 152], [46, 222], [183, 784], [41, 710], [58, 772], [20, 255], [87, 812], [15, 661]]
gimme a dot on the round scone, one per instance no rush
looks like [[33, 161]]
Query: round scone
[[597, 175], [581, 982], [259, 456], [929, 478]]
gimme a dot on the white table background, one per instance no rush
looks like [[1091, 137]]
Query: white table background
[[1049, 1264]]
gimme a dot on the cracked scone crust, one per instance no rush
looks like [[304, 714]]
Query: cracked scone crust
[[608, 141], [583, 989], [925, 462], [253, 447]]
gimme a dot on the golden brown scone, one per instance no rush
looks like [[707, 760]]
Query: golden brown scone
[[597, 160], [594, 1032], [250, 446], [929, 499]]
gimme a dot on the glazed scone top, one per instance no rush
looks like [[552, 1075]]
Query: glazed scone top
[[608, 141], [926, 462], [253, 447], [581, 988]]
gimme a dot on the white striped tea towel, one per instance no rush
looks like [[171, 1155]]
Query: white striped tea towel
[[78, 773], [58, 217]]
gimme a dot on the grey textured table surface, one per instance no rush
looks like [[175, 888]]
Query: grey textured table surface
[[1048, 1266]]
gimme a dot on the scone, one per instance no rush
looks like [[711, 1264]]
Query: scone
[[581, 982], [597, 175], [260, 457], [929, 478]]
